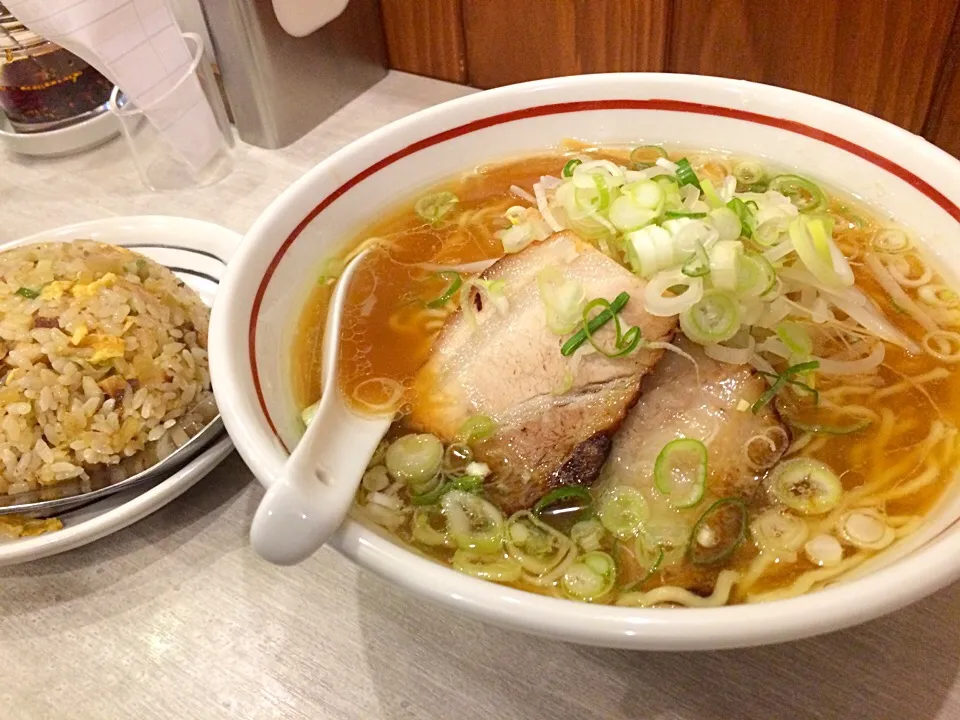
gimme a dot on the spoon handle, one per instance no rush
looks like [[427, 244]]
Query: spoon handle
[[304, 508]]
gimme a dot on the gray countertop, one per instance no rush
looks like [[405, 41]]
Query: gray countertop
[[175, 617]]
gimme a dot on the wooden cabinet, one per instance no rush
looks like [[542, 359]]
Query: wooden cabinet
[[899, 59]]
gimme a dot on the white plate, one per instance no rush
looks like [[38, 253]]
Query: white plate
[[197, 252], [85, 135]]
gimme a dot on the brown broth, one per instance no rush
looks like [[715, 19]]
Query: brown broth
[[388, 335]]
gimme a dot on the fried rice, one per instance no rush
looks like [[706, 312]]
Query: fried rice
[[103, 367]]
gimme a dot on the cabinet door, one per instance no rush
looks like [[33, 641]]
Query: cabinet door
[[881, 56]]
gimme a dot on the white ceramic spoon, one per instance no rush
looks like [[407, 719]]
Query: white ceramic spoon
[[313, 496]]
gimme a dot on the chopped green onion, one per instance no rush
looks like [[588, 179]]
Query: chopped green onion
[[823, 429], [756, 277], [495, 568], [779, 531], [796, 338], [748, 173], [680, 471], [686, 175], [563, 300], [891, 240], [712, 319], [591, 577], [726, 223], [431, 496], [649, 557], [710, 194], [808, 486], [588, 534], [719, 531], [674, 214], [748, 222], [474, 428], [623, 510], [570, 167], [645, 156], [866, 528], [699, 263], [433, 208], [474, 523], [581, 336], [468, 483], [571, 497], [429, 527], [802, 193], [818, 252], [538, 547], [624, 342], [28, 293], [414, 459], [782, 379], [455, 281], [725, 258]]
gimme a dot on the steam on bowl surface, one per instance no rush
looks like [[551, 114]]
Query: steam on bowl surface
[[672, 523]]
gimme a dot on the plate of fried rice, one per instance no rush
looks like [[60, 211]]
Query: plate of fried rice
[[103, 371]]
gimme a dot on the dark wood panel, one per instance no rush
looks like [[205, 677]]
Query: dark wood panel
[[510, 41], [881, 56], [425, 37], [943, 120]]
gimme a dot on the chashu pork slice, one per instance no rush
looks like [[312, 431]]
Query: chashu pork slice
[[711, 403], [554, 415]]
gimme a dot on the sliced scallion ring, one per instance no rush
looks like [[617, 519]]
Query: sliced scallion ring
[[748, 173], [534, 544], [570, 166], [495, 568], [698, 264], [712, 319], [805, 485], [569, 498], [777, 531], [588, 534], [454, 282], [748, 221], [806, 195], [649, 557], [646, 156], [595, 323], [623, 510], [429, 528], [725, 258], [591, 577], [474, 523], [891, 240], [414, 459], [674, 214], [680, 471], [828, 429], [718, 532], [782, 379], [433, 208], [865, 528], [686, 175], [796, 338], [474, 428], [756, 277]]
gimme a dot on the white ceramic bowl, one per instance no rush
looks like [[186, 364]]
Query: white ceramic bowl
[[271, 274]]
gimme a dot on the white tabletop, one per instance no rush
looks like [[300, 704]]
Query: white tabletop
[[175, 617]]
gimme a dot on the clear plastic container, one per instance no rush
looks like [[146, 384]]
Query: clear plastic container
[[42, 86]]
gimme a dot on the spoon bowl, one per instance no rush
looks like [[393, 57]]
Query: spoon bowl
[[312, 497]]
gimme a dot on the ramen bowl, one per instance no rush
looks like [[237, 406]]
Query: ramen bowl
[[272, 274]]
